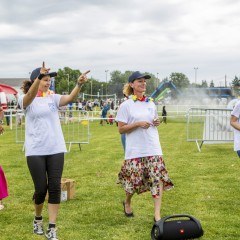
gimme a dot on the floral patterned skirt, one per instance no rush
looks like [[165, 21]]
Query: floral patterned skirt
[[143, 174]]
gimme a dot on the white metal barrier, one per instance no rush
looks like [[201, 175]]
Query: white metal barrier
[[75, 127], [209, 126]]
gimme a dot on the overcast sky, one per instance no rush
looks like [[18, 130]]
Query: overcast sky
[[155, 36]]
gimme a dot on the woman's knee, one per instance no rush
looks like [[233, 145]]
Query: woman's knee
[[39, 196], [54, 190]]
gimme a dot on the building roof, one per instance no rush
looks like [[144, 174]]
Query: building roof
[[13, 82]]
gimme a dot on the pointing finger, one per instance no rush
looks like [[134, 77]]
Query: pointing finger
[[86, 72]]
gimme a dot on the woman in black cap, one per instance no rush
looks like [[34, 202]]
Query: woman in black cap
[[144, 168], [44, 143]]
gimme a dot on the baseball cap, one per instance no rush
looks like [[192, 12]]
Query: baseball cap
[[137, 75], [36, 72]]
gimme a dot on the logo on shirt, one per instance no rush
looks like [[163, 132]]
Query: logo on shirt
[[52, 107], [151, 111]]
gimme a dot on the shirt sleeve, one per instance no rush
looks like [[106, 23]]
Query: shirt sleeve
[[122, 113], [57, 98], [236, 111]]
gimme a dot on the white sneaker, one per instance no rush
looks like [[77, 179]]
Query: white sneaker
[[51, 234], [38, 227]]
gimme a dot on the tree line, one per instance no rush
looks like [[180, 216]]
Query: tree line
[[67, 77]]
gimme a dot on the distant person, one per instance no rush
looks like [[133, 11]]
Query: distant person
[[1, 120], [76, 105], [112, 105], [105, 108], [111, 116], [111, 119], [164, 115], [44, 143], [7, 114], [235, 123], [143, 168], [80, 106]]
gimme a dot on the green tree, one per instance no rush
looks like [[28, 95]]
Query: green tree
[[236, 82], [180, 80], [204, 84], [118, 79], [211, 84], [66, 80]]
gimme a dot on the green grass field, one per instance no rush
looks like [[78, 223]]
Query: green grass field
[[206, 186]]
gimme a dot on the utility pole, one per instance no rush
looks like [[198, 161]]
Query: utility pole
[[106, 71], [195, 68]]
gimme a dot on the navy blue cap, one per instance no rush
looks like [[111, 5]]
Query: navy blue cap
[[137, 75], [36, 72]]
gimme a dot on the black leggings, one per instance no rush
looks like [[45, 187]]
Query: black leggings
[[46, 173]]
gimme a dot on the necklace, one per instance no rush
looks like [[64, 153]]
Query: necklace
[[141, 99], [44, 94]]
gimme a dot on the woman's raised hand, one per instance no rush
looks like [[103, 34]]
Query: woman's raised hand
[[43, 69], [83, 77]]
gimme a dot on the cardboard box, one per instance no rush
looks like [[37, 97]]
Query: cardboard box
[[67, 189]]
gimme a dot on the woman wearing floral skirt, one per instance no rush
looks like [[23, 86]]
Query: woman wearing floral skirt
[[144, 168]]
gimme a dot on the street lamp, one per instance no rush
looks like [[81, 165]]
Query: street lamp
[[102, 89], [91, 86], [195, 68], [106, 71], [157, 80]]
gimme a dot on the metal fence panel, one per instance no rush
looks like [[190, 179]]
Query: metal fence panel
[[75, 127], [209, 126]]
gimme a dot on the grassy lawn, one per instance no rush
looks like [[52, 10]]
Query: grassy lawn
[[206, 186]]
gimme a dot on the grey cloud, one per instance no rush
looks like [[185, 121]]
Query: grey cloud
[[114, 34]]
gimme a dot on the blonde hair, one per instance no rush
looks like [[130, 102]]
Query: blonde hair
[[127, 90]]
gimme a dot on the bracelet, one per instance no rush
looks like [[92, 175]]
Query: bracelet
[[79, 84], [40, 76]]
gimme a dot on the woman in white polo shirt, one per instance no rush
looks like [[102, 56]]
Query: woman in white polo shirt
[[44, 143], [144, 168]]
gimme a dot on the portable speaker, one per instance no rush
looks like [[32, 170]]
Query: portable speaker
[[178, 229]]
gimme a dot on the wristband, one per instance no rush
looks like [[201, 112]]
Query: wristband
[[40, 76], [79, 84], [1, 122]]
